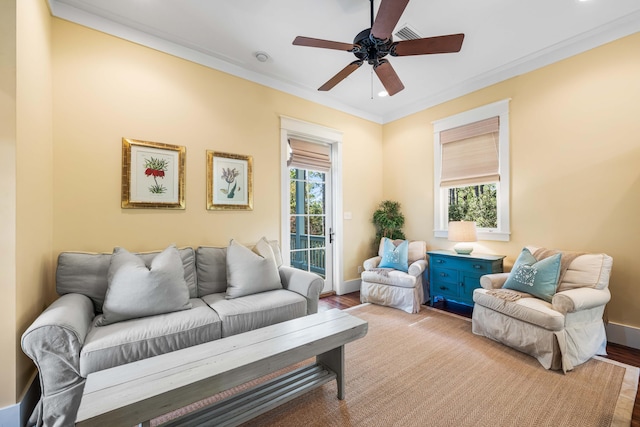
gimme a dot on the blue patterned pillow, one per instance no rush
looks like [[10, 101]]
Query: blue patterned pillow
[[396, 257], [538, 278]]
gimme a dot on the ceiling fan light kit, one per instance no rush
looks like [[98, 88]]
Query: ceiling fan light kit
[[373, 44]]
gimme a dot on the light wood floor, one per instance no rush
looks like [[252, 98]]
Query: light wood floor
[[617, 352]]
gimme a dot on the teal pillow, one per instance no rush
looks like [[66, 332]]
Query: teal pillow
[[538, 278], [396, 257]]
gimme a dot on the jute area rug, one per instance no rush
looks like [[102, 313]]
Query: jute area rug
[[428, 369]]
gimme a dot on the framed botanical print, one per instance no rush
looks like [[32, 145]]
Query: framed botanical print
[[152, 175], [229, 181]]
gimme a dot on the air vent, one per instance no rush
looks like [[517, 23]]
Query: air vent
[[407, 33]]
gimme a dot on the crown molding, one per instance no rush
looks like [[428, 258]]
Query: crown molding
[[609, 32], [198, 56], [599, 36]]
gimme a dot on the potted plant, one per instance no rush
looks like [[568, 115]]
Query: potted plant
[[388, 221]]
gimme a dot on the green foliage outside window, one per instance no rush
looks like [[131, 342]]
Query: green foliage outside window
[[474, 203], [313, 185]]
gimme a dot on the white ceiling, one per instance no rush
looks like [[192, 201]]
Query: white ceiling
[[503, 38]]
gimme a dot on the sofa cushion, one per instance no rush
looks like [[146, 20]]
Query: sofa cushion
[[135, 290], [390, 277], [256, 311], [395, 256], [86, 273], [527, 308], [211, 265], [249, 273], [538, 278], [137, 339], [83, 273], [586, 270]]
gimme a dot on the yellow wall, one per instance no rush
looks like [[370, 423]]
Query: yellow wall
[[575, 156], [34, 223], [8, 201], [107, 88], [26, 180]]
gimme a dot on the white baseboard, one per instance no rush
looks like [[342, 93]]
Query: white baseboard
[[10, 416], [18, 414], [348, 287], [628, 336]]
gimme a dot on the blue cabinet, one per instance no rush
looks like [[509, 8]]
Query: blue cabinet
[[454, 277]]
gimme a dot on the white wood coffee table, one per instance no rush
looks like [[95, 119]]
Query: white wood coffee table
[[137, 392]]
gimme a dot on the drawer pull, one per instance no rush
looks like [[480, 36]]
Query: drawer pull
[[440, 261], [443, 288], [477, 266], [443, 274]]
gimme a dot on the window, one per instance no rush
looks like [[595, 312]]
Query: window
[[471, 171]]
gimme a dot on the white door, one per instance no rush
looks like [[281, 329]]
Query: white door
[[310, 223]]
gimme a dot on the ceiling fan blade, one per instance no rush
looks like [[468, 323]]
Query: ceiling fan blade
[[388, 16], [340, 76], [326, 44], [429, 45], [388, 77]]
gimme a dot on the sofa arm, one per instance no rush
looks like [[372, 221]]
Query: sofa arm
[[307, 284], [372, 263], [418, 267], [579, 299], [53, 342], [493, 281]]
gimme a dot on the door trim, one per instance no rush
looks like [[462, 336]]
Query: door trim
[[290, 127]]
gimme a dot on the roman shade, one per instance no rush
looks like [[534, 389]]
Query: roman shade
[[309, 155], [470, 154]]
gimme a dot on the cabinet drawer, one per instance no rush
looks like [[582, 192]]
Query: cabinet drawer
[[445, 275], [471, 265], [445, 289]]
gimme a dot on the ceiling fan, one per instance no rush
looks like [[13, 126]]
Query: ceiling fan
[[373, 44]]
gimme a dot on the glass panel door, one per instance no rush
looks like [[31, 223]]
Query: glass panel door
[[309, 223]]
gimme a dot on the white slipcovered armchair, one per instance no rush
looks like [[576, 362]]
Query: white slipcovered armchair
[[395, 288], [561, 334]]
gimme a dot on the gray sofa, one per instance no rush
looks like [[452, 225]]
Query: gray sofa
[[67, 342]]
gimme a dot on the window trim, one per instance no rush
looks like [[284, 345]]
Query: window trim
[[440, 223]]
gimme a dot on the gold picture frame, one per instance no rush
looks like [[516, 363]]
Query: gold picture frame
[[229, 181], [152, 175]]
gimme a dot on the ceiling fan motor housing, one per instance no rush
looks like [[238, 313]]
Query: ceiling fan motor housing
[[370, 49], [373, 44]]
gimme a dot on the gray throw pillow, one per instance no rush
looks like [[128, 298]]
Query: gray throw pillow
[[265, 250], [135, 290], [249, 273]]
